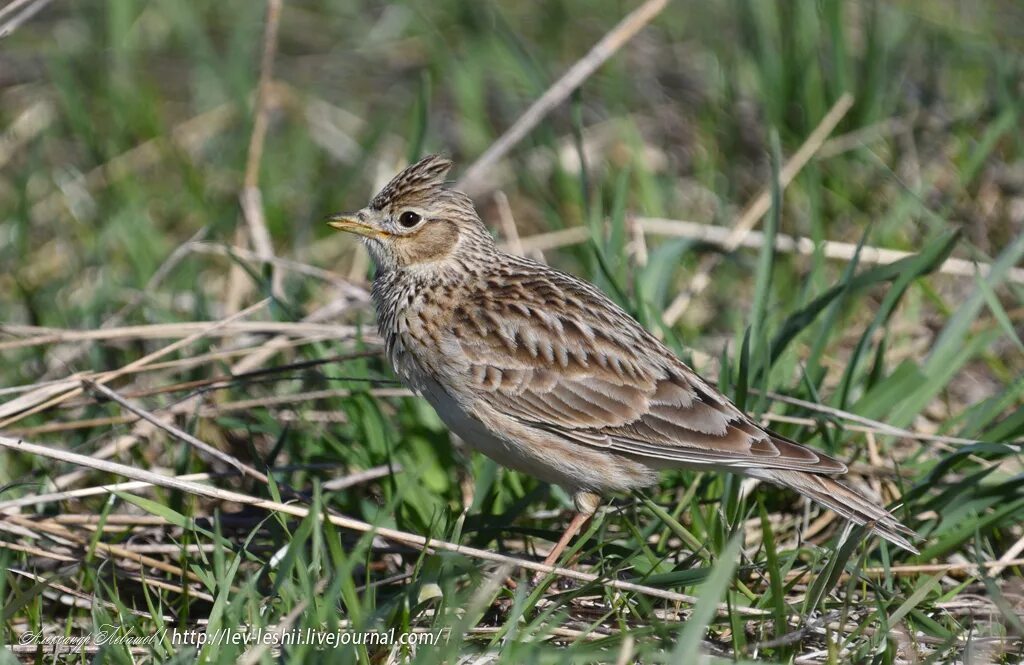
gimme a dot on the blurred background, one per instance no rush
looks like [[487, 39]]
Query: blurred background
[[148, 181], [126, 126]]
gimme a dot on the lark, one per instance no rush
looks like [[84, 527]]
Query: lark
[[542, 372]]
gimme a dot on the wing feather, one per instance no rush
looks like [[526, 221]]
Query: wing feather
[[596, 377]]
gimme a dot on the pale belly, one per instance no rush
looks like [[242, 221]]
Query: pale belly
[[478, 437], [542, 456]]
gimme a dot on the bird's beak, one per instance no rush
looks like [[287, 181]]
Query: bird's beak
[[352, 224]]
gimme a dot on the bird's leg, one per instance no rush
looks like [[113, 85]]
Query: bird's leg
[[586, 506], [575, 525]]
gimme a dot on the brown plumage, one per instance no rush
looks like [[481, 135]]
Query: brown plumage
[[541, 371]]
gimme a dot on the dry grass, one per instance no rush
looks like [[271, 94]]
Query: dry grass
[[199, 430]]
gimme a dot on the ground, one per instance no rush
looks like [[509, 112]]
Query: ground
[[820, 206]]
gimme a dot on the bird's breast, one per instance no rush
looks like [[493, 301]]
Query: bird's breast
[[414, 321]]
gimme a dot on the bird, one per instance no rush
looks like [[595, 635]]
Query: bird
[[542, 372]]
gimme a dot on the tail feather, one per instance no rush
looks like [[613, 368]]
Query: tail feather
[[844, 500]]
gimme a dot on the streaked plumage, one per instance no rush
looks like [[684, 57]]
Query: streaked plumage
[[541, 371]]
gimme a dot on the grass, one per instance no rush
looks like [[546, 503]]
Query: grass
[[126, 131]]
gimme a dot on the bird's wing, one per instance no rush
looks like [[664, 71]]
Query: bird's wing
[[556, 354]]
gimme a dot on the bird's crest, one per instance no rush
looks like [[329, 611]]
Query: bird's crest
[[427, 174]]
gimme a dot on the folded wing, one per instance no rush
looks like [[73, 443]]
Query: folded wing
[[595, 377]]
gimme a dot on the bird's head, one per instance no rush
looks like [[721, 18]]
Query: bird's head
[[416, 220]]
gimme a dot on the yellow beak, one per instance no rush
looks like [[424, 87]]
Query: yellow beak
[[353, 225]]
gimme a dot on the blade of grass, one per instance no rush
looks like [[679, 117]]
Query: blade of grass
[[694, 629]]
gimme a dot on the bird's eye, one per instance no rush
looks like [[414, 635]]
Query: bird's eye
[[409, 219]]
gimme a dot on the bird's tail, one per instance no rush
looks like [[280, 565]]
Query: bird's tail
[[844, 500]]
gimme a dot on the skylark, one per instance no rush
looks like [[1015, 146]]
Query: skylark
[[543, 373]]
